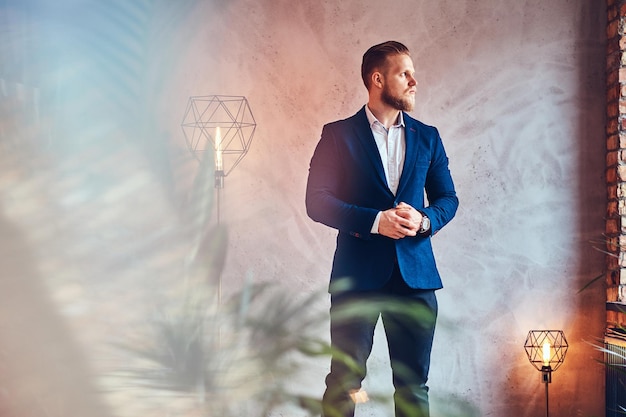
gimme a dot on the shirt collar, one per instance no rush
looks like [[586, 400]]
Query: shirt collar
[[372, 119]]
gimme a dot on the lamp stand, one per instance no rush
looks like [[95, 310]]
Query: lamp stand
[[219, 184], [546, 377]]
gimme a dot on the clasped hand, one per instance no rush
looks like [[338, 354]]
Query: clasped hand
[[400, 221]]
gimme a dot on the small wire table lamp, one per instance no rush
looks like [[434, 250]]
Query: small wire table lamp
[[546, 351]]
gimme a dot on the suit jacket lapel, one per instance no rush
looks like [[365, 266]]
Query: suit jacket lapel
[[364, 133], [411, 148]]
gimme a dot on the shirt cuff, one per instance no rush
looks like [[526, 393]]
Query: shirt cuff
[[376, 221]]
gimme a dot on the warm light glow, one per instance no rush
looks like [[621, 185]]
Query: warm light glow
[[359, 396], [546, 354], [219, 164]]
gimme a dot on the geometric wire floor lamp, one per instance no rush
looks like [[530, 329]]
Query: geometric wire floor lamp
[[546, 351], [222, 124]]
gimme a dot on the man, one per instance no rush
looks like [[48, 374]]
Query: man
[[367, 179]]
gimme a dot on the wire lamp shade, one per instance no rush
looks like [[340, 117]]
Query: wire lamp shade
[[220, 124], [546, 348]]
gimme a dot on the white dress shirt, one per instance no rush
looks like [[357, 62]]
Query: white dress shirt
[[391, 146]]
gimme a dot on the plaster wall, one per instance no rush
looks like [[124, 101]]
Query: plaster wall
[[516, 89]]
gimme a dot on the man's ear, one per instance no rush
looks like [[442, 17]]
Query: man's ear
[[377, 79]]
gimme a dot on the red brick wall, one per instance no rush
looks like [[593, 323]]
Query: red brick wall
[[616, 157]]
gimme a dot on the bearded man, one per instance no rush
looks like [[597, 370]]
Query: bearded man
[[367, 179]]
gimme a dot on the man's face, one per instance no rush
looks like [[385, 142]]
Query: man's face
[[399, 85]]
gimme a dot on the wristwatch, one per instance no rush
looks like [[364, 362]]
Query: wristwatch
[[424, 224]]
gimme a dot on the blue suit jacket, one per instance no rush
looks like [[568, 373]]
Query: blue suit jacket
[[346, 188]]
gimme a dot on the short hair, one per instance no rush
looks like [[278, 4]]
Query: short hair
[[376, 56]]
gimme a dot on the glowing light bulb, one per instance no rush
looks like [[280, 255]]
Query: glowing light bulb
[[546, 354], [359, 396]]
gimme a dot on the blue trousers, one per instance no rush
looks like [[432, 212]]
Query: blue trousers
[[409, 317]]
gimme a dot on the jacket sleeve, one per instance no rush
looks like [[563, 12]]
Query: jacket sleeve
[[328, 187], [440, 191]]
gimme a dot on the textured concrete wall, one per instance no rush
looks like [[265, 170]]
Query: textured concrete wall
[[516, 89]]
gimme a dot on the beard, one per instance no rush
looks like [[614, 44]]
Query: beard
[[397, 102]]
